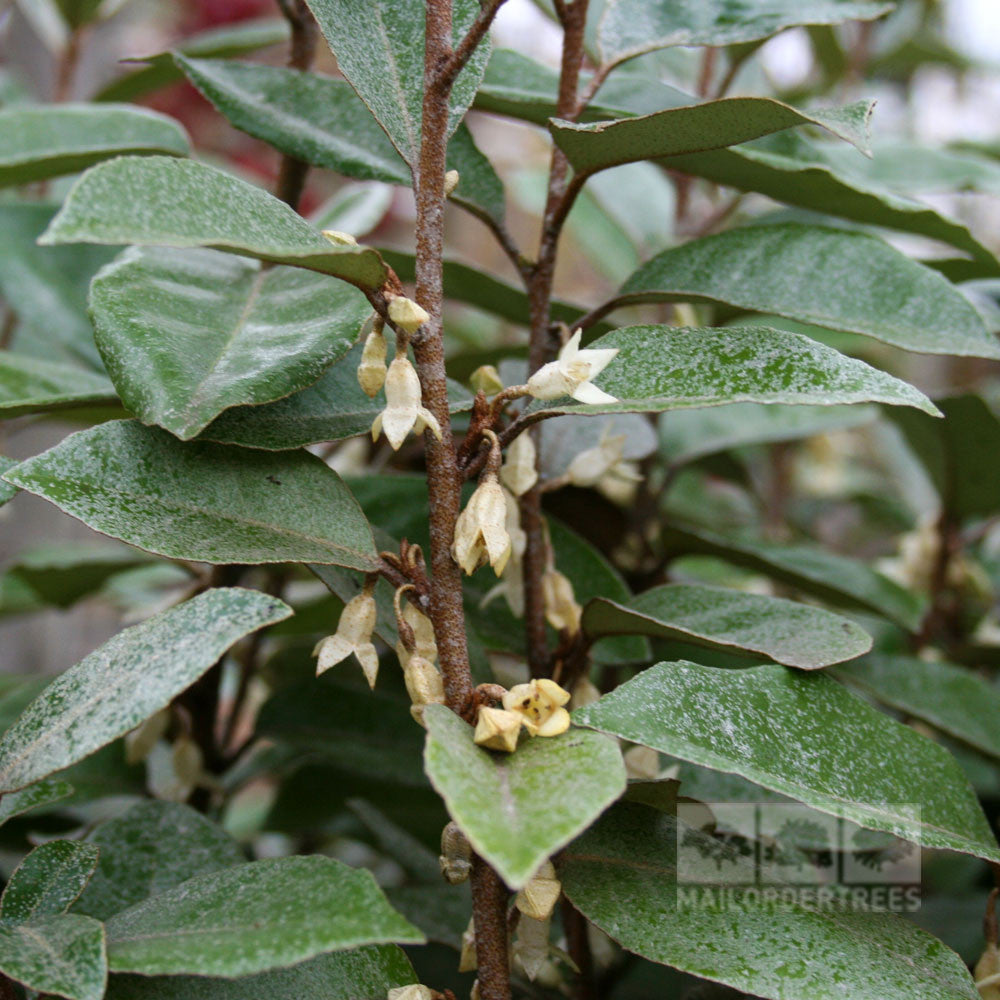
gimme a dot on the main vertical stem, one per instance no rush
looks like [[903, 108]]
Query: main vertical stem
[[293, 171]]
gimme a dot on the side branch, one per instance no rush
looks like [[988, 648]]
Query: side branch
[[476, 33]]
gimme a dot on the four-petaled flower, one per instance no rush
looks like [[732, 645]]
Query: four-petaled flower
[[404, 410], [540, 702], [571, 374], [354, 635]]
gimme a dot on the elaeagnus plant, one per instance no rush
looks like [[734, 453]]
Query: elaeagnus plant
[[595, 610]]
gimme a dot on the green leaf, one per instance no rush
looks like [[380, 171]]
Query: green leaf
[[622, 874], [380, 49], [518, 809], [63, 955], [959, 453], [628, 28], [691, 434], [842, 581], [229, 40], [254, 917], [30, 385], [7, 492], [46, 140], [151, 848], [787, 269], [697, 127], [806, 736], [359, 974], [955, 700], [156, 201], [201, 501], [134, 674], [186, 334], [797, 635], [333, 409], [322, 121], [665, 368], [48, 880], [42, 793]]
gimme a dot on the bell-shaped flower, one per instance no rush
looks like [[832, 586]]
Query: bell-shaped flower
[[540, 703], [372, 369], [498, 729], [353, 635], [424, 684], [572, 373], [404, 410], [539, 897], [561, 608], [480, 531], [519, 471], [512, 584], [424, 643], [530, 947], [593, 464], [406, 314]]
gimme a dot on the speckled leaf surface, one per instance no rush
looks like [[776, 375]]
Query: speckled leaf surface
[[693, 129], [7, 492], [255, 917], [796, 635], [42, 141], [156, 201], [379, 48], [133, 675], [151, 848], [622, 874], [665, 368], [953, 699], [42, 793], [323, 121], [806, 736], [48, 880], [201, 501], [62, 954], [845, 582], [690, 434], [788, 269], [32, 385], [331, 410], [360, 974], [518, 809], [628, 28], [186, 334]]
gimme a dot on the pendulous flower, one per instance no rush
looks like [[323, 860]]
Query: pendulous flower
[[406, 314], [353, 635], [404, 410], [519, 472], [372, 370], [571, 374], [480, 531]]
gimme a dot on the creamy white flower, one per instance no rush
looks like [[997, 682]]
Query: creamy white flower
[[424, 684], [561, 608], [481, 532], [498, 729], [519, 472], [451, 179], [571, 374], [405, 313], [353, 635], [372, 369], [424, 643], [415, 992], [539, 897], [540, 703], [530, 948], [337, 238], [593, 464], [404, 410]]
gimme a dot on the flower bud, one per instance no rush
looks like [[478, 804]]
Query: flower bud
[[423, 636], [456, 855], [498, 729], [353, 635], [531, 945], [451, 179], [539, 897], [424, 684], [642, 763], [519, 472], [406, 314], [486, 379], [590, 465], [539, 702], [415, 992], [987, 973], [340, 239], [480, 532], [585, 692], [561, 609], [372, 369]]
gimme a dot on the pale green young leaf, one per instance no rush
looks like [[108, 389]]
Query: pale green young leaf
[[797, 635], [46, 140], [156, 201], [47, 881], [133, 675], [32, 385], [201, 501], [186, 334], [518, 809], [259, 916], [808, 737]]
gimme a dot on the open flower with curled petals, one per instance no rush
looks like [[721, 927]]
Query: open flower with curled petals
[[480, 531], [540, 703], [572, 373], [353, 635], [404, 410]]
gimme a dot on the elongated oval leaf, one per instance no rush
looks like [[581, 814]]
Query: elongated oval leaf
[[360, 974], [665, 368], [518, 809], [622, 874], [791, 270], [48, 140], [628, 28], [710, 125], [186, 334], [133, 675], [42, 793], [48, 880], [379, 47], [152, 848], [254, 917], [63, 954], [155, 201], [201, 501], [808, 737], [955, 700], [31, 385], [797, 635], [7, 492]]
